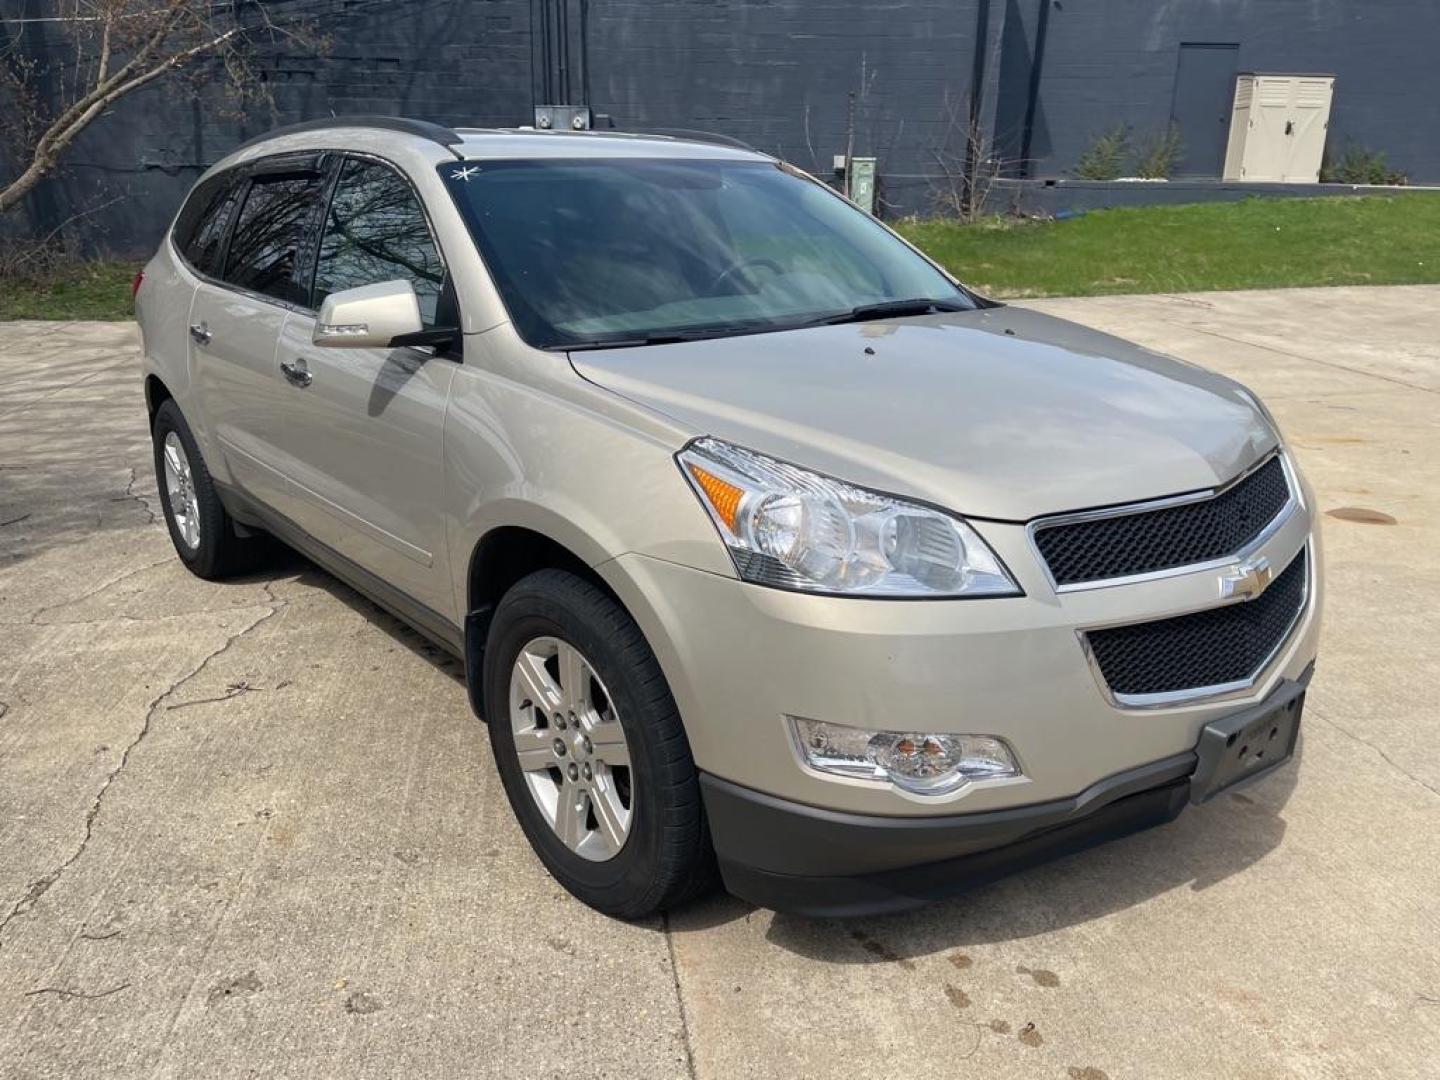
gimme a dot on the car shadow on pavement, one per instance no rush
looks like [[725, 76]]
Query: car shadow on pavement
[[287, 563], [1204, 846]]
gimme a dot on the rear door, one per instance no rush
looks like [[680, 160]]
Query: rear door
[[237, 314], [198, 238], [167, 292], [360, 436]]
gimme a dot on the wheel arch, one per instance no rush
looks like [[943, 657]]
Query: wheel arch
[[502, 556], [156, 394]]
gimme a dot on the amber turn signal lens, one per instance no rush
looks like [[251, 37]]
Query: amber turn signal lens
[[724, 497]]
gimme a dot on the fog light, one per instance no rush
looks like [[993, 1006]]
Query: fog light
[[928, 763]]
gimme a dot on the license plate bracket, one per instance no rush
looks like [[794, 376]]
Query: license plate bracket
[[1247, 745]]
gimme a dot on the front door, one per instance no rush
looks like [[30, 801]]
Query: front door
[[361, 428], [1204, 100]]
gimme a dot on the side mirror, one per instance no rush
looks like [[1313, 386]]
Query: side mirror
[[368, 317]]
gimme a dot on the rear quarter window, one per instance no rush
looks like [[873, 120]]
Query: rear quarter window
[[200, 227]]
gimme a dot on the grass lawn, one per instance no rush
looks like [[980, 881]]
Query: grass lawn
[[1258, 243], [1255, 244], [87, 290]]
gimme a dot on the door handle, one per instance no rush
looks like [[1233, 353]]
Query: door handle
[[201, 333], [296, 373]]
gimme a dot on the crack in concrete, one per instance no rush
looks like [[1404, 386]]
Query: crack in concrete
[[1191, 300], [1301, 356], [233, 691], [70, 995], [100, 622], [1367, 743], [61, 389], [126, 616], [42, 885], [123, 616], [679, 997], [34, 619], [130, 494]]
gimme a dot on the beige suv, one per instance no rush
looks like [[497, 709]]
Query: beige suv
[[770, 549]]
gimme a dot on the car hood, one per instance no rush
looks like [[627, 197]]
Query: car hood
[[997, 413]]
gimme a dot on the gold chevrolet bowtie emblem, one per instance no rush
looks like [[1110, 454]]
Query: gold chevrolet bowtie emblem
[[1247, 580]]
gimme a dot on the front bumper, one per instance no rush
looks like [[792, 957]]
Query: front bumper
[[740, 658], [810, 861]]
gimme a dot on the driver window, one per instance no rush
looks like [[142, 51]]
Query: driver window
[[376, 231]]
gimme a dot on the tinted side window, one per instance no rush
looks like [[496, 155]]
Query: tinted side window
[[375, 230], [200, 228], [269, 235]]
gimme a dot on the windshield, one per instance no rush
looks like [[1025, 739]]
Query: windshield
[[596, 252]]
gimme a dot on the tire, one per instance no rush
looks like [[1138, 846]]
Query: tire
[[666, 858], [216, 552]]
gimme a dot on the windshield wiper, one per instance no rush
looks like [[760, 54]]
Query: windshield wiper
[[892, 309], [611, 343], [888, 309], [668, 337]]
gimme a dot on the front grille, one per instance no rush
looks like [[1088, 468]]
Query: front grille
[[1209, 648], [1146, 541]]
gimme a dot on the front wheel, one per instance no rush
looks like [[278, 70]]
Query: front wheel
[[591, 750]]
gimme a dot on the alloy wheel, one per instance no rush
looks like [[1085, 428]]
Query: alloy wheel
[[180, 487], [571, 748]]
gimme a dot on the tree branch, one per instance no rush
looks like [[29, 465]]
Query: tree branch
[[142, 57], [129, 78], [154, 39], [104, 65]]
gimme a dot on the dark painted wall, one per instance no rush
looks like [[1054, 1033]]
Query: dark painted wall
[[775, 73], [778, 73], [1110, 61], [455, 61]]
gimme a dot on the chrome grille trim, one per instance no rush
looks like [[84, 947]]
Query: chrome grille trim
[[1292, 504]]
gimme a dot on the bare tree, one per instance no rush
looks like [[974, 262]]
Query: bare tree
[[113, 48], [970, 165]]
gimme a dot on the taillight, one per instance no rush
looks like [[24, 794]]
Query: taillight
[[135, 285]]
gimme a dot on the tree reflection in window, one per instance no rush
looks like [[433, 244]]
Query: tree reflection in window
[[375, 231], [267, 237], [200, 228]]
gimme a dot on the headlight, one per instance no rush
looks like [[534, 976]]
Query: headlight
[[795, 529], [922, 762]]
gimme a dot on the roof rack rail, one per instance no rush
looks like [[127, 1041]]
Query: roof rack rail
[[436, 133], [696, 136]]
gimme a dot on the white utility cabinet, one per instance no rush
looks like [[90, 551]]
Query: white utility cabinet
[[1277, 130]]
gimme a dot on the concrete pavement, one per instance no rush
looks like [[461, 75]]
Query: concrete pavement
[[252, 829]]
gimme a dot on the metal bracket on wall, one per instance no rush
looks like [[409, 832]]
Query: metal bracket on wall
[[563, 117]]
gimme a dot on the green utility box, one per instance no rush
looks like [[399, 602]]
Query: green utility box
[[862, 183]]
